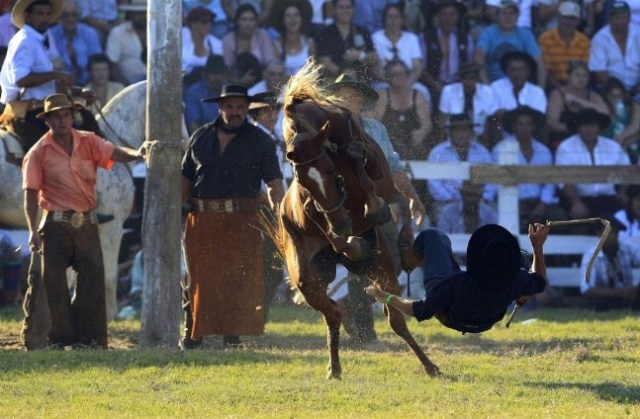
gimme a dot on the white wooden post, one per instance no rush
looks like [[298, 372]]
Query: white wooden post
[[508, 205]]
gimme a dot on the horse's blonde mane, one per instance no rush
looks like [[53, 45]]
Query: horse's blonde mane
[[307, 84]]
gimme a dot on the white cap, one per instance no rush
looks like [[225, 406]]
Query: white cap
[[569, 8]]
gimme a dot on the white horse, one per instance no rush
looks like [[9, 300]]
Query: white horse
[[122, 122]]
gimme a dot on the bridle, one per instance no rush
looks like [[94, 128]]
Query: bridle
[[338, 178]]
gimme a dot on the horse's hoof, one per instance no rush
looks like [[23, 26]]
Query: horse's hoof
[[333, 376], [357, 249], [379, 217], [432, 370]]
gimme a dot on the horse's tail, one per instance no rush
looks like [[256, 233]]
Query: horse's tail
[[307, 84], [273, 226]]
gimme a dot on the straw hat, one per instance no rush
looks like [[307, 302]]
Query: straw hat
[[17, 13], [54, 103]]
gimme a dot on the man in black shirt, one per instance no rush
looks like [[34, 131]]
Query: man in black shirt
[[222, 171]]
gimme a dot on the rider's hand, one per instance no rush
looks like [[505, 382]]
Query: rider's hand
[[538, 234]]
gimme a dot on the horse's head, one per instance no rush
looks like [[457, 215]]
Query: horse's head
[[315, 171]]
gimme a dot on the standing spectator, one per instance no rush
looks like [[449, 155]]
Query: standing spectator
[[223, 247], [563, 44], [198, 43], [469, 97], [615, 49], [356, 306], [100, 82], [28, 75], [76, 42], [566, 101], [610, 285], [460, 206], [629, 216], [448, 47], [292, 18], [537, 202], [247, 37], [343, 43], [69, 231], [515, 89], [393, 43], [588, 148], [215, 75], [222, 22], [503, 37], [102, 15], [127, 44]]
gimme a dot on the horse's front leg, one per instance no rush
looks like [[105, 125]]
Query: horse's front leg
[[376, 210], [315, 295], [399, 325]]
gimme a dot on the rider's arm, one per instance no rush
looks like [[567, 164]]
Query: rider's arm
[[537, 235]]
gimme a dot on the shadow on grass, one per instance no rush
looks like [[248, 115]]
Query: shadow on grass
[[608, 391]]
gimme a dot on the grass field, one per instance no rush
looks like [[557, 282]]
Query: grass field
[[566, 363]]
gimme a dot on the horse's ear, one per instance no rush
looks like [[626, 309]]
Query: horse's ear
[[323, 134]]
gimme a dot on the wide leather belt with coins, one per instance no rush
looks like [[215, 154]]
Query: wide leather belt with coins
[[75, 218], [225, 206]]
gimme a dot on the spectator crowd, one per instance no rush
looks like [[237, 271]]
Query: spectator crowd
[[552, 82]]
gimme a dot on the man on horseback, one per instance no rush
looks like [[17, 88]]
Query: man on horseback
[[471, 301], [27, 75]]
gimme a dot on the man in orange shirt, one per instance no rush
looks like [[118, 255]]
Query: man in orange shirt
[[59, 175], [563, 44]]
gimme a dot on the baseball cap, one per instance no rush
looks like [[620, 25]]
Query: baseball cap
[[569, 8], [509, 3], [619, 7]]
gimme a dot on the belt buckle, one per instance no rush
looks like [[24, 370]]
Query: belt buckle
[[77, 219], [228, 205]]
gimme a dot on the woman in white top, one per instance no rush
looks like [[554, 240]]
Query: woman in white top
[[197, 41], [290, 18], [99, 75], [393, 43]]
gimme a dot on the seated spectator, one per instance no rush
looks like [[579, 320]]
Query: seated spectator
[[292, 18], [393, 43], [76, 42], [566, 101], [405, 113], [100, 82], [629, 138], [515, 89], [588, 148], [460, 206], [629, 216], [615, 49], [247, 71], [198, 43], [563, 44], [469, 97], [610, 285], [247, 37], [524, 16], [273, 79], [127, 44], [262, 8], [101, 15], [7, 29], [537, 202], [223, 21], [619, 107], [214, 76], [503, 37], [448, 47], [342, 43]]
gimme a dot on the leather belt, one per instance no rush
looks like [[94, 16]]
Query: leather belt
[[225, 206], [75, 218]]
